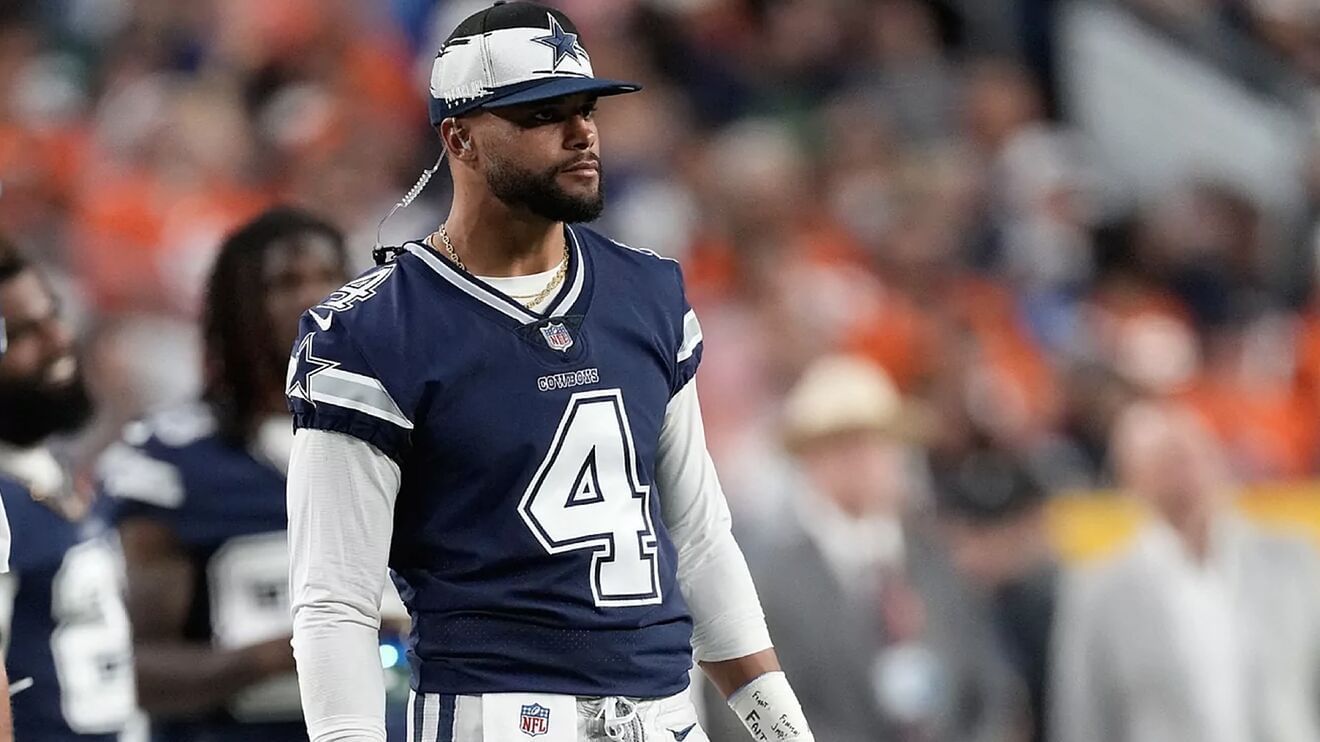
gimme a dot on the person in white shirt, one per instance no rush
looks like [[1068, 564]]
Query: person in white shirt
[[1207, 628]]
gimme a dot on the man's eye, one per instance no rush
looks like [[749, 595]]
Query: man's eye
[[588, 112], [545, 116]]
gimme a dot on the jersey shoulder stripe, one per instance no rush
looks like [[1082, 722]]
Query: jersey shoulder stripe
[[640, 250], [691, 336]]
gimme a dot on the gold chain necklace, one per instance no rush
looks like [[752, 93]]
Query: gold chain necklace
[[528, 300]]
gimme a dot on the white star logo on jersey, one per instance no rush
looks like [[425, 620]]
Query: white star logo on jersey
[[302, 367]]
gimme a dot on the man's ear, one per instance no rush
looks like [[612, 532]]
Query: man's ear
[[457, 139]]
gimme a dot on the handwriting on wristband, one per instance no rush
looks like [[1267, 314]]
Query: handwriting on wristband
[[782, 728]]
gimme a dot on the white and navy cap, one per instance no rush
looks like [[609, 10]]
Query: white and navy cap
[[512, 53]]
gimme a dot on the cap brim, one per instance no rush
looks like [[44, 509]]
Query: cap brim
[[530, 92], [559, 88]]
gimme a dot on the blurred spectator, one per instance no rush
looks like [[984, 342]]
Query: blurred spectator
[[905, 655], [1307, 360], [835, 176], [1206, 629], [992, 515]]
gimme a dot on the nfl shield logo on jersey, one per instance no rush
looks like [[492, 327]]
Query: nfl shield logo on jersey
[[535, 718], [557, 337]]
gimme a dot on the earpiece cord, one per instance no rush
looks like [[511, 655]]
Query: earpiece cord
[[382, 253]]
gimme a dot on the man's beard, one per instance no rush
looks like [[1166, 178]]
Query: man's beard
[[31, 412], [541, 195]]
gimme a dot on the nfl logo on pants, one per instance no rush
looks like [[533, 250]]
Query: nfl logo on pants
[[534, 720]]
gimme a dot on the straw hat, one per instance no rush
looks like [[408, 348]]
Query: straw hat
[[845, 394]]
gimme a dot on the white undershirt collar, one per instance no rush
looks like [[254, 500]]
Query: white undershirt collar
[[532, 283]]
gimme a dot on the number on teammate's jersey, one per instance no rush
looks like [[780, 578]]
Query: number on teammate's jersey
[[586, 495], [249, 585], [92, 643]]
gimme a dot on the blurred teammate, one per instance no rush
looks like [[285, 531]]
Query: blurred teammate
[[506, 415], [6, 717], [61, 610], [200, 500]]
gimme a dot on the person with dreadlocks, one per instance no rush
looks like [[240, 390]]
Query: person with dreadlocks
[[198, 497], [62, 617]]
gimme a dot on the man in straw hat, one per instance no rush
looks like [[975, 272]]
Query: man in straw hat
[[505, 415], [869, 620]]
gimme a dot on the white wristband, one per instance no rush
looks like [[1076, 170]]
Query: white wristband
[[769, 709]]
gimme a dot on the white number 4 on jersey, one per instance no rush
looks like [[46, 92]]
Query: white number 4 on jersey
[[586, 495]]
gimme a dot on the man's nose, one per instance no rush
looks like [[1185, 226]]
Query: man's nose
[[581, 132]]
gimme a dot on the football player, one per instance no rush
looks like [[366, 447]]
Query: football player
[[506, 415], [199, 494], [61, 608]]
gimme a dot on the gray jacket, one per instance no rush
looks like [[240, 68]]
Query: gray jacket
[[1126, 670], [829, 639]]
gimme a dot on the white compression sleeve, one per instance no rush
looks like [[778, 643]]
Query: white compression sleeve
[[5, 539], [341, 496], [712, 573]]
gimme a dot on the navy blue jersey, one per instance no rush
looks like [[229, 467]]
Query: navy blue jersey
[[64, 624], [528, 544], [225, 504]]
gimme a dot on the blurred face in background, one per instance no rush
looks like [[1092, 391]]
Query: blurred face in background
[[1166, 457], [41, 388], [298, 273], [863, 472]]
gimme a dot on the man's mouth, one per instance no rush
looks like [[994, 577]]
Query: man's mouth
[[588, 165]]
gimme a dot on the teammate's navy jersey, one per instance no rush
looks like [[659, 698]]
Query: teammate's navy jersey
[[225, 505], [528, 544], [64, 623]]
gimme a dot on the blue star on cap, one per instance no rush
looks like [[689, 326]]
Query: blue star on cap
[[565, 44], [304, 366]]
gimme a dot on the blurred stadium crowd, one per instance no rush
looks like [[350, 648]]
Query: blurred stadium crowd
[[888, 178], [897, 181]]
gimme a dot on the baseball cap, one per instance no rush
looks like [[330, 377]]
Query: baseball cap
[[512, 53]]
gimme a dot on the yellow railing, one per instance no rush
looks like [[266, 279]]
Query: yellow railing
[[1090, 525]]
